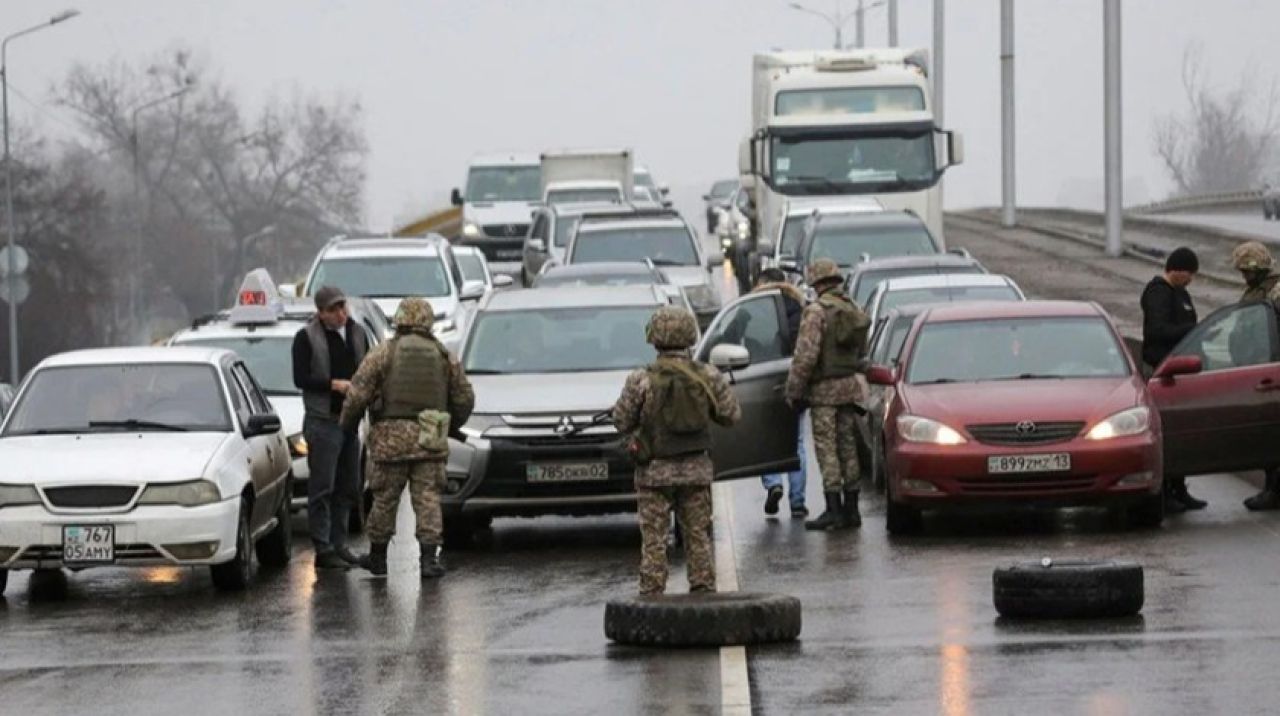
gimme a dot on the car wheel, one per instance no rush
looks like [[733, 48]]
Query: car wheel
[[234, 576], [275, 549], [1146, 514], [902, 519], [707, 619], [1068, 590]]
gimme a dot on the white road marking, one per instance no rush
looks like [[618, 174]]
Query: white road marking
[[735, 683]]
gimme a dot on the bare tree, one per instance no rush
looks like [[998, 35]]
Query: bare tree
[[1224, 140]]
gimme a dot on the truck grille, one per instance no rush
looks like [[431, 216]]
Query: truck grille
[[90, 496], [1025, 433], [499, 231]]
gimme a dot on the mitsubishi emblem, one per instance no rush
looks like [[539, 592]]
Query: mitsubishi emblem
[[565, 427]]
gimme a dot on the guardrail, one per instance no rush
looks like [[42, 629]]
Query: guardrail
[[1226, 200], [446, 222]]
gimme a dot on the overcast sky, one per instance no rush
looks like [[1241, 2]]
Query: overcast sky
[[441, 80]]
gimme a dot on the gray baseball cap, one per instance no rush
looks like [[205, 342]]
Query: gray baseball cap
[[328, 296]]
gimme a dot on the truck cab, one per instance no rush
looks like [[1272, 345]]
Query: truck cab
[[501, 193]]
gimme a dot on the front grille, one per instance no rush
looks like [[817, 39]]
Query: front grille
[[90, 496], [558, 441], [124, 553], [499, 231], [1025, 433], [1030, 483]]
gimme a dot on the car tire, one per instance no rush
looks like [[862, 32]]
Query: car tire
[[234, 576], [275, 549], [1068, 590], [1146, 514], [711, 619], [902, 519]]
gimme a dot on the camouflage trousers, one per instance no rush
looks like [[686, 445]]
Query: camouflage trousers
[[835, 435], [387, 480], [692, 505]]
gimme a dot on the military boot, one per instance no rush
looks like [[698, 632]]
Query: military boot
[[831, 518], [376, 560], [1180, 492], [429, 561], [850, 517], [1269, 498], [1172, 505]]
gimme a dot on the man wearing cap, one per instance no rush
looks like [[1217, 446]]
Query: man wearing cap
[[829, 353], [326, 353], [1167, 315], [1253, 260]]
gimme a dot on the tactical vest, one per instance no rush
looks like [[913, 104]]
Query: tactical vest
[[844, 338], [1262, 290], [417, 380], [682, 409]]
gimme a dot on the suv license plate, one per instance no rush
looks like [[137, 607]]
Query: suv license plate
[[88, 544], [1051, 462], [567, 471]]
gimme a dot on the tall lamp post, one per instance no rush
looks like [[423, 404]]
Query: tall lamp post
[[839, 19], [8, 180]]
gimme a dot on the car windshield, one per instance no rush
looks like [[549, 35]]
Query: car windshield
[[865, 282], [849, 100], [792, 230], [504, 183], [106, 398], [472, 266], [863, 164], [722, 189], [568, 196], [563, 340], [947, 294], [848, 244], [645, 179], [666, 245], [604, 278], [1016, 348], [384, 277], [269, 358], [564, 228]]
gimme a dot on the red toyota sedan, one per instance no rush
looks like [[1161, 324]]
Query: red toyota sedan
[[1031, 403]]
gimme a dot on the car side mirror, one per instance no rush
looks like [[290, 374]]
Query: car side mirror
[[714, 261], [472, 290], [455, 197], [730, 357], [955, 148], [663, 189], [1178, 365], [288, 290], [538, 245], [880, 375], [502, 280], [262, 424]]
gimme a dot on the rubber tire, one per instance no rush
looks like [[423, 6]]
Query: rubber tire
[[275, 549], [234, 576], [4, 580], [900, 519], [1068, 590], [458, 532], [713, 619], [1147, 514]]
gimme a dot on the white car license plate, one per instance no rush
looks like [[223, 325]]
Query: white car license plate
[[1051, 462], [88, 544], [567, 471]]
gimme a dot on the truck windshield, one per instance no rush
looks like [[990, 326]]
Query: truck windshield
[[865, 164], [849, 100], [512, 183]]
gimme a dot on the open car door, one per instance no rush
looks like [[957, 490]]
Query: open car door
[[764, 441]]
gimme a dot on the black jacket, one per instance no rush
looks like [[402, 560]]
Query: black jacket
[[1167, 315]]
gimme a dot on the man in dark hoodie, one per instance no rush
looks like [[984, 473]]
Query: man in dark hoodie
[[1167, 315], [793, 304]]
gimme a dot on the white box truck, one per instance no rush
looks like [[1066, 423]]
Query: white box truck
[[845, 123], [580, 175]]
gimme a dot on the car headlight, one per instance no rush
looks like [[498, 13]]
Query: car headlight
[[743, 229], [298, 445], [470, 228], [187, 494], [916, 429], [1126, 422], [14, 495], [478, 425]]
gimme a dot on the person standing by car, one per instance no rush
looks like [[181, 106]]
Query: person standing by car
[[1254, 262], [666, 410], [326, 353], [829, 353], [793, 304], [414, 390], [1167, 315]]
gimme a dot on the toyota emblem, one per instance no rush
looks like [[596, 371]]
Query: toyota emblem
[[565, 427], [1025, 427]]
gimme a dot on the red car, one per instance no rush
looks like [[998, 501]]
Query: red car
[[1030, 403]]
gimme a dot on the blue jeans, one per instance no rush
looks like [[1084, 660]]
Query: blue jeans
[[334, 460], [795, 479]]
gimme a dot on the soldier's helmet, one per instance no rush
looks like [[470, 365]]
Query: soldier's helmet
[[1251, 256], [414, 313], [823, 270], [672, 327]]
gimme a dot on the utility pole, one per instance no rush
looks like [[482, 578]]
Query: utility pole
[[1114, 180], [860, 26], [1008, 176], [893, 23]]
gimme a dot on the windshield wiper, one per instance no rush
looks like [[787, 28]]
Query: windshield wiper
[[808, 179], [669, 262], [484, 371], [134, 424], [1037, 376], [51, 431], [936, 381], [281, 392]]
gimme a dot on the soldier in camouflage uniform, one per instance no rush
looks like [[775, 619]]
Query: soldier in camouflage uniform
[[397, 382], [828, 356], [1262, 283], [666, 410]]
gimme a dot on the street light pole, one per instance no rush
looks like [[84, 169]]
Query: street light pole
[[1008, 176], [836, 21], [11, 224], [893, 23], [1112, 126]]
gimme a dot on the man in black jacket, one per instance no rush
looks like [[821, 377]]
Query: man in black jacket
[[1167, 315]]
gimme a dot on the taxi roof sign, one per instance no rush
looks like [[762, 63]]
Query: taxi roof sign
[[258, 300]]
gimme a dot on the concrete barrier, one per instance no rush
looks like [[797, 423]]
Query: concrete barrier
[[446, 222]]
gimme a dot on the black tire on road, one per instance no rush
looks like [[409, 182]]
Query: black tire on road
[[275, 549], [1068, 590], [713, 619], [1147, 513], [235, 575]]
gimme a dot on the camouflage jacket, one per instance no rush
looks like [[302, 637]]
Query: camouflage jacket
[[800, 384], [397, 440], [634, 409], [1269, 289]]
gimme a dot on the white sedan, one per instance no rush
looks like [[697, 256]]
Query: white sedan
[[143, 456]]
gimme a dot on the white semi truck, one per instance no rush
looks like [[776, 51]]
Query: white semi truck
[[580, 175], [845, 123]]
